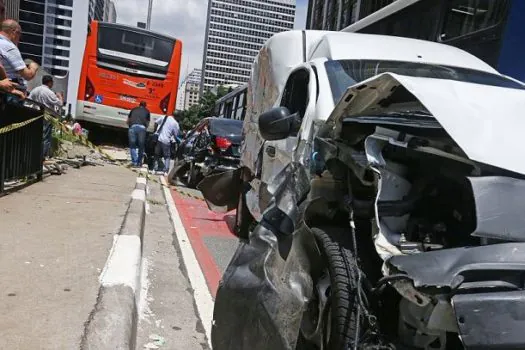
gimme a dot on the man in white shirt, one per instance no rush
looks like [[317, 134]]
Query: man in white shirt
[[10, 58], [44, 95], [166, 128], [6, 84]]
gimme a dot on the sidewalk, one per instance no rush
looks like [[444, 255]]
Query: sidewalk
[[168, 313], [56, 236]]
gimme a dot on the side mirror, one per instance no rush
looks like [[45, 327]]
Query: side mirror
[[278, 124]]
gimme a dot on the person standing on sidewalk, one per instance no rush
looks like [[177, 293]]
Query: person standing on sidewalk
[[166, 128], [5, 83], [11, 60], [54, 101], [138, 122]]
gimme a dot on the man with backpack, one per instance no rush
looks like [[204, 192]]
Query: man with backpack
[[165, 129]]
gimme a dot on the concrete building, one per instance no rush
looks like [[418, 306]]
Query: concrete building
[[235, 32], [12, 7], [338, 14], [100, 9], [110, 13], [189, 90], [47, 29], [54, 34]]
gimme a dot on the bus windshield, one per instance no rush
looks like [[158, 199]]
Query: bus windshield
[[345, 73], [137, 47]]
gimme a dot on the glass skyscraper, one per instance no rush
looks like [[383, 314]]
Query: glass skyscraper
[[235, 32]]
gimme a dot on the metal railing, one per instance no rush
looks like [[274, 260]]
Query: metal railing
[[21, 140]]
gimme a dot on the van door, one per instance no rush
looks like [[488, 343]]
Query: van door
[[299, 97]]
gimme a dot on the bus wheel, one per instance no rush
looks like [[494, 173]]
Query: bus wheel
[[330, 320]]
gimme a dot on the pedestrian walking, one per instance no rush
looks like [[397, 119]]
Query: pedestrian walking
[[166, 129], [46, 96], [138, 122]]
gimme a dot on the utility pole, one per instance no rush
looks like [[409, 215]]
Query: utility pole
[[148, 23]]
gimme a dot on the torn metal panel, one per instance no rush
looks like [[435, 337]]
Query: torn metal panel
[[263, 293], [499, 207], [456, 105], [491, 320], [452, 267], [262, 297], [221, 191]]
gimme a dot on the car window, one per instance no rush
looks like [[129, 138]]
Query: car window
[[345, 73], [226, 127], [295, 94]]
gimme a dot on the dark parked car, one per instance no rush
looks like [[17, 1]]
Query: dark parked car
[[213, 146]]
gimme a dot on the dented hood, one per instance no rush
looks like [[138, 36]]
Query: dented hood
[[487, 122]]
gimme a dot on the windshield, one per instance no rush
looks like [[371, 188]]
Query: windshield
[[226, 127], [345, 73], [139, 47]]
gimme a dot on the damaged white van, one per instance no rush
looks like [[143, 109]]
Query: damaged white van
[[379, 202]]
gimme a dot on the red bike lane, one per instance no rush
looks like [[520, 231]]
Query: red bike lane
[[209, 235]]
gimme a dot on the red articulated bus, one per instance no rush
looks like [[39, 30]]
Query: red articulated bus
[[123, 66]]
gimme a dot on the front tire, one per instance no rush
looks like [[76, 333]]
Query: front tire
[[337, 310]]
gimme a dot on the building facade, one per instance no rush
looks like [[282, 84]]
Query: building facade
[[338, 14], [47, 30], [110, 13], [100, 9], [189, 90], [12, 7], [235, 32]]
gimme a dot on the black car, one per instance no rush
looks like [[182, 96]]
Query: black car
[[213, 146]]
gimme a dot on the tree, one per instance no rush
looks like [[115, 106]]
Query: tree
[[204, 109]]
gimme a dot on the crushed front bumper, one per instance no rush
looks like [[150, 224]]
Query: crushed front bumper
[[486, 285], [214, 165]]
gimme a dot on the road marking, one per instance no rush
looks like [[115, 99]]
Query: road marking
[[201, 293], [123, 263], [194, 216]]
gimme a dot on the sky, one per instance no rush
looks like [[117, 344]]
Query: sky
[[182, 19]]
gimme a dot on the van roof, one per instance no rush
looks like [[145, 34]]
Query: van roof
[[348, 46]]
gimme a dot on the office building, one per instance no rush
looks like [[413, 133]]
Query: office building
[[100, 8], [12, 7], [47, 29], [338, 14], [189, 90], [235, 32], [110, 13]]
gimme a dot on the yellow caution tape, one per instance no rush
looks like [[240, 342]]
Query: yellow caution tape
[[15, 126], [84, 141]]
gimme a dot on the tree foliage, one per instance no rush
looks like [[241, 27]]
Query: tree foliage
[[205, 108]]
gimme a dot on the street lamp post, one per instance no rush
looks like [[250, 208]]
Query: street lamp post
[[148, 22]]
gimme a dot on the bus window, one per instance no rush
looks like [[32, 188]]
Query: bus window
[[135, 49], [464, 17], [240, 107]]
